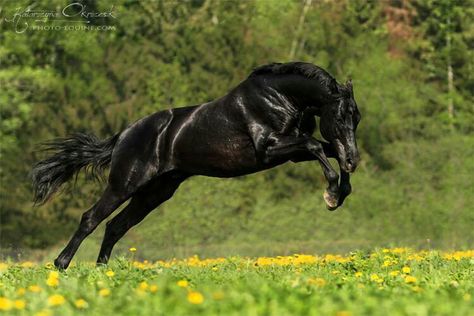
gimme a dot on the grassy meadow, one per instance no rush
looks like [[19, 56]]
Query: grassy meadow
[[396, 281]]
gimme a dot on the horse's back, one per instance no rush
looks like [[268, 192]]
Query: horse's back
[[140, 152]]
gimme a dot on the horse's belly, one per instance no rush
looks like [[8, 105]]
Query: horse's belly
[[223, 157]]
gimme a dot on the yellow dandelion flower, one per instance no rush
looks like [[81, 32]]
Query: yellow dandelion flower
[[387, 263], [410, 279], [132, 249], [53, 279], [19, 304], [358, 274], [153, 288], [195, 297], [81, 303], [317, 281], [27, 264], [219, 295], [56, 300], [374, 277], [21, 291], [53, 274], [52, 282], [406, 270], [343, 313], [44, 312], [214, 269], [182, 283], [394, 273], [143, 286], [3, 266], [5, 304], [104, 292], [110, 273], [34, 288]]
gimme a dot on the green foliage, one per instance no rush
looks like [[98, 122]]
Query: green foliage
[[414, 183]]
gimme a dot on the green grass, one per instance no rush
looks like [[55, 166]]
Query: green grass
[[383, 282]]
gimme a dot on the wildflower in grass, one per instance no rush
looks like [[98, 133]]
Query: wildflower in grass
[[143, 286], [132, 249], [416, 289], [27, 264], [358, 274], [19, 304], [317, 281], [110, 273], [406, 270], [153, 288], [219, 295], [34, 288], [335, 272], [466, 297], [343, 313], [387, 263], [44, 312], [374, 277], [195, 297], [53, 279], [21, 291], [81, 304], [104, 292], [394, 273], [410, 279], [182, 283], [5, 304], [214, 269], [3, 266], [56, 300]]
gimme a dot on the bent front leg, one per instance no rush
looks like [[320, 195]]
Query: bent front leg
[[345, 187], [293, 148]]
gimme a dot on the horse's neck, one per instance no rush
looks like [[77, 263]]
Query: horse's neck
[[306, 94]]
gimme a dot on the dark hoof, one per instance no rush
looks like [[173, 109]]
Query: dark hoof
[[61, 264], [331, 201]]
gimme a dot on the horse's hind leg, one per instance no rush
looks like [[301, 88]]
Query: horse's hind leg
[[108, 203], [141, 204]]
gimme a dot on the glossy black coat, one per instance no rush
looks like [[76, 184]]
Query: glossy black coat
[[267, 120]]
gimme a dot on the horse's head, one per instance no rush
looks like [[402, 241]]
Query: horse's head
[[339, 120]]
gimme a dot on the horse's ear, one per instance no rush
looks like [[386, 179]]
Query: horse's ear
[[349, 84], [349, 87]]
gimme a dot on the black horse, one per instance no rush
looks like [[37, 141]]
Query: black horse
[[267, 120]]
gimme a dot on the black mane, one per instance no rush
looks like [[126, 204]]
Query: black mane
[[307, 70]]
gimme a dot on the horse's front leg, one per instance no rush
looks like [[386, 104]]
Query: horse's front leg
[[345, 187], [295, 148]]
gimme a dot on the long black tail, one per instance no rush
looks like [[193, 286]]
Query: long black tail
[[71, 154]]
